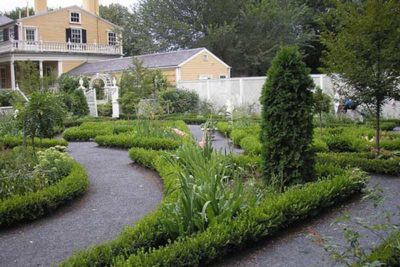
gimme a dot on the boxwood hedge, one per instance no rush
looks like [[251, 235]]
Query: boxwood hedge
[[128, 141], [9, 142], [148, 233], [36, 204], [274, 213]]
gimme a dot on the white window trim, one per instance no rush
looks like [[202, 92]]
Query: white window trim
[[108, 37], [80, 17], [81, 30], [31, 28], [205, 76]]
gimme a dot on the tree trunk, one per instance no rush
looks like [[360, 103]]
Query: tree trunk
[[378, 130], [320, 123]]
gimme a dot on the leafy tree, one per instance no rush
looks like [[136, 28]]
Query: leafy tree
[[129, 102], [287, 128], [41, 116], [74, 99], [322, 104], [244, 33], [365, 53], [179, 101], [29, 80], [14, 14]]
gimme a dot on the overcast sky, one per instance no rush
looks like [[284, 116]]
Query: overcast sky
[[6, 5]]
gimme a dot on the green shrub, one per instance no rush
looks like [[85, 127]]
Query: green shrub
[[34, 205], [238, 134], [224, 127], [104, 110], [128, 141], [360, 160], [14, 141], [179, 101], [78, 134], [144, 157], [319, 145], [251, 145], [272, 214], [287, 121], [7, 97]]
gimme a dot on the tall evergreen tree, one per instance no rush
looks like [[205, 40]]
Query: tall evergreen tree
[[287, 121]]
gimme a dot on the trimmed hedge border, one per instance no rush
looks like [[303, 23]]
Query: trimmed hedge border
[[362, 161], [273, 214], [13, 141], [34, 205], [129, 141], [388, 252], [147, 232]]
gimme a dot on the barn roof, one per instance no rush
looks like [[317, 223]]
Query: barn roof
[[5, 20], [158, 60]]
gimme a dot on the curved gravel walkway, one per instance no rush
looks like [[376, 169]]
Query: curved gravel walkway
[[120, 193], [294, 246]]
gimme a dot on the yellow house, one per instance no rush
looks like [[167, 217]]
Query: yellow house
[[58, 40], [182, 65]]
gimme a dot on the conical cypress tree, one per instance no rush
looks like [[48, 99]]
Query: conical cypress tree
[[287, 128]]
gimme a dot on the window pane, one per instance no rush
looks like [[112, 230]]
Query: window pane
[[76, 36], [75, 17], [30, 35], [112, 38]]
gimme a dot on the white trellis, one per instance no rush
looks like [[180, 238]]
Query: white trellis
[[111, 91]]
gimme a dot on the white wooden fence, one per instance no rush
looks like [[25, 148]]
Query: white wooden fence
[[246, 91]]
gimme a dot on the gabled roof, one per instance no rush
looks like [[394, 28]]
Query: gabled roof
[[69, 7], [5, 20], [160, 60]]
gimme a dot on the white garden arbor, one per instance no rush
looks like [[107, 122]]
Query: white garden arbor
[[111, 92]]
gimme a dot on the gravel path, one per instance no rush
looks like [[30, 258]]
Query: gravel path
[[120, 193], [294, 246], [220, 142]]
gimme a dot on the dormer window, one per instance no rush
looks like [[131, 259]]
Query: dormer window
[[112, 38], [75, 17]]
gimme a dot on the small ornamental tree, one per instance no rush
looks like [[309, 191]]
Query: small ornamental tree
[[322, 104], [365, 53], [287, 127]]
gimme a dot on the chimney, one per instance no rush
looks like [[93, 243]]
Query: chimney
[[40, 6], [92, 6]]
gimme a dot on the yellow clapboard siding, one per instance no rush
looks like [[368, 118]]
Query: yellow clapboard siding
[[170, 74], [197, 66], [69, 65], [52, 26]]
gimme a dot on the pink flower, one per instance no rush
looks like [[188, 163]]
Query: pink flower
[[202, 143], [179, 132]]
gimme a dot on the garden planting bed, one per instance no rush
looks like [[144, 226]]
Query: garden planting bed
[[152, 241]]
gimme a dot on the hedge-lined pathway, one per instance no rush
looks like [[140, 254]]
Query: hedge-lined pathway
[[220, 142], [120, 193], [294, 247]]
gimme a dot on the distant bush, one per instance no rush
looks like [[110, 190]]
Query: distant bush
[[179, 101], [104, 110]]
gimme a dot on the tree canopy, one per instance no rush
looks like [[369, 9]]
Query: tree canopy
[[364, 51]]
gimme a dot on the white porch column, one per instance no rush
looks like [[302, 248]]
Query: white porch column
[[41, 68], [60, 68], [12, 71]]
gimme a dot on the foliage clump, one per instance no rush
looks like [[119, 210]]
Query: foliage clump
[[287, 122]]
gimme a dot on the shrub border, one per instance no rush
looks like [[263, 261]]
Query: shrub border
[[34, 205]]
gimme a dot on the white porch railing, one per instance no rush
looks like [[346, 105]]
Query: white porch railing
[[40, 46]]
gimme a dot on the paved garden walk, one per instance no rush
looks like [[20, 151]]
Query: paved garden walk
[[294, 247], [120, 193]]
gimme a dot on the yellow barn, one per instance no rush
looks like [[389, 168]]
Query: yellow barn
[[182, 65]]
